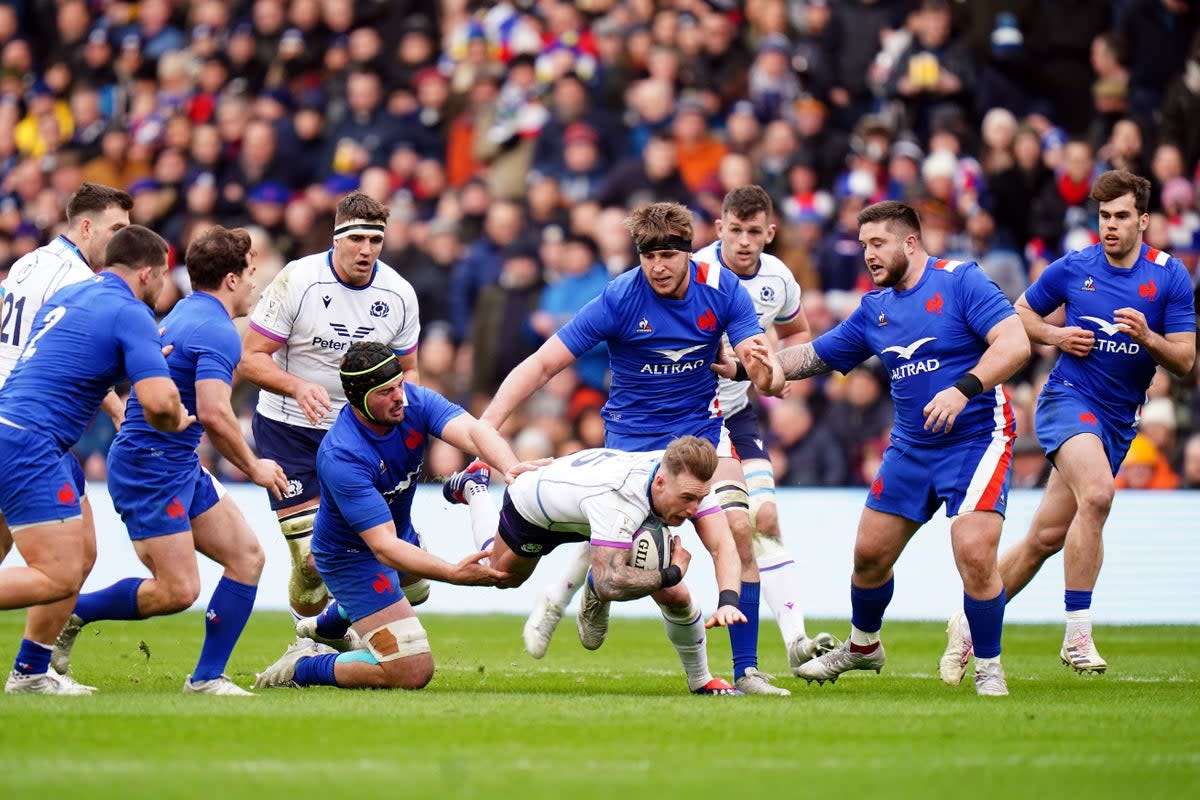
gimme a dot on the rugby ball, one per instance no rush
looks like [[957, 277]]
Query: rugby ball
[[651, 546]]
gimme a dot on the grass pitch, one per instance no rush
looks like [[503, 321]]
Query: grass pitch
[[617, 723]]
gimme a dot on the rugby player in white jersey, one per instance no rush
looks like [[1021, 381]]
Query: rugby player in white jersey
[[603, 497], [303, 325], [744, 482], [94, 213]]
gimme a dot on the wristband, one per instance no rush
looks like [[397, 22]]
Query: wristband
[[740, 373], [969, 385], [727, 597], [670, 576]]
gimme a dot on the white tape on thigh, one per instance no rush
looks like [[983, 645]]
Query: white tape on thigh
[[732, 496], [399, 639], [305, 585]]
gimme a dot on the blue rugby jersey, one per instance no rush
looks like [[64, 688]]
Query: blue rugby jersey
[[927, 337]]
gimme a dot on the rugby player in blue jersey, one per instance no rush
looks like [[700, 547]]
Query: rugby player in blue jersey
[[948, 337], [364, 544], [663, 324], [171, 505], [1128, 309], [86, 338]]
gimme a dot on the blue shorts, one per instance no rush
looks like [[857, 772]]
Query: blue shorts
[[741, 437], [914, 480], [294, 449], [360, 581], [155, 495], [648, 440], [37, 482], [1063, 413], [526, 539]]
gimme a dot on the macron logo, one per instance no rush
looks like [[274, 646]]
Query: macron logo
[[675, 355], [907, 352], [1109, 328]]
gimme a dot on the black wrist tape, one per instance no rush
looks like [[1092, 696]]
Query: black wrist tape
[[670, 576], [969, 385], [727, 597]]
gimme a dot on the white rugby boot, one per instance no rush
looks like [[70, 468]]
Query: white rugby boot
[[805, 649], [755, 682], [222, 686], [841, 659], [539, 628], [953, 664], [989, 679], [592, 620], [1080, 654]]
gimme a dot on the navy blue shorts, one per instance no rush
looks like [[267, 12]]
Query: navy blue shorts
[[155, 495], [360, 581], [914, 480], [294, 449], [741, 437], [37, 483], [1063, 413], [526, 539]]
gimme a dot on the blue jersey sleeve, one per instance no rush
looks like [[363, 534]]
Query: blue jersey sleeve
[[350, 482], [743, 319], [430, 410], [846, 346], [1049, 291], [983, 303], [1181, 304], [218, 355], [592, 325], [138, 338]]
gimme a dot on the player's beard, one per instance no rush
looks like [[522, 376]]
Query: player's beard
[[1123, 248], [893, 272]]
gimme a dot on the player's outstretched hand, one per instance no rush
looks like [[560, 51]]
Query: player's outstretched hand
[[269, 475], [725, 616], [943, 409], [726, 364], [313, 401], [1076, 341], [680, 557], [469, 572], [525, 466], [1133, 322]]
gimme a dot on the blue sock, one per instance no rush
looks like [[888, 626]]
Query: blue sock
[[316, 670], [32, 658], [1077, 599], [867, 606], [333, 622], [118, 601], [227, 613], [986, 620], [743, 639]]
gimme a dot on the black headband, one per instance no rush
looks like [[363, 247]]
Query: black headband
[[670, 243], [359, 385]]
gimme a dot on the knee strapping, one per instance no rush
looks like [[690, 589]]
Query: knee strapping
[[417, 592], [305, 585], [732, 496], [680, 616], [760, 484], [769, 551], [399, 639]]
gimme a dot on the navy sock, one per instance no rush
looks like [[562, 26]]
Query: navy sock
[[224, 621], [332, 623], [316, 670], [118, 601], [1077, 599], [743, 639], [986, 619], [867, 606], [32, 658]]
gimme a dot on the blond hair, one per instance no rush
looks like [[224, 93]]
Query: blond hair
[[692, 455]]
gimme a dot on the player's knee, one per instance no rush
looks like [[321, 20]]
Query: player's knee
[[766, 519], [402, 647], [1097, 498]]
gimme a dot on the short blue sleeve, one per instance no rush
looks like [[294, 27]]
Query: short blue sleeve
[[218, 355], [1181, 304], [743, 319], [593, 324], [846, 346], [137, 335], [983, 304], [1049, 291], [429, 410], [350, 482]]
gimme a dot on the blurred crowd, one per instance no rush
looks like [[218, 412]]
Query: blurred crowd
[[510, 139]]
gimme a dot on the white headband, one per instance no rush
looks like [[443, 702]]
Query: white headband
[[357, 226]]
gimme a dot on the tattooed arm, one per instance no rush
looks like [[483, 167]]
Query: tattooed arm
[[614, 579], [801, 361]]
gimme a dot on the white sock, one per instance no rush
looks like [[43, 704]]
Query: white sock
[[862, 638], [779, 583], [1078, 621], [983, 662], [686, 632], [571, 579], [485, 519]]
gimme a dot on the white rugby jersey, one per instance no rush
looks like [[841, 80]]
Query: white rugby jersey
[[776, 297], [317, 317], [30, 282], [600, 494]]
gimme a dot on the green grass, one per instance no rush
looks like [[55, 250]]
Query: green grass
[[617, 723]]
